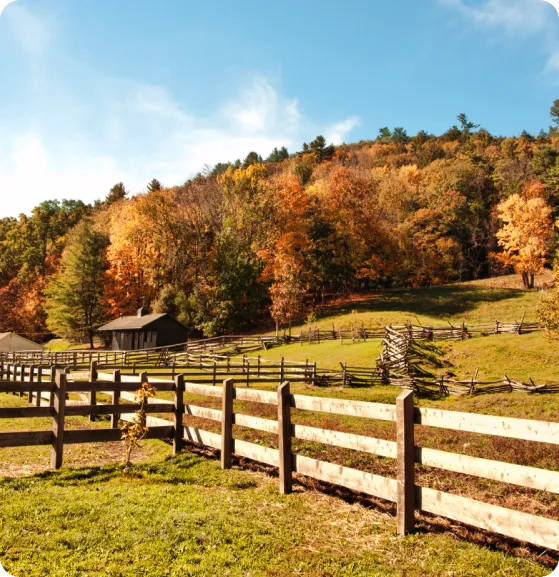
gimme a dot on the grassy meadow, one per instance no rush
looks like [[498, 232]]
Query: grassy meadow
[[480, 302], [185, 516]]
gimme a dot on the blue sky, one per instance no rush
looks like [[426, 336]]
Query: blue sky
[[95, 92]]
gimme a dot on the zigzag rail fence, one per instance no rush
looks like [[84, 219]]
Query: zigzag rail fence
[[402, 490], [399, 364]]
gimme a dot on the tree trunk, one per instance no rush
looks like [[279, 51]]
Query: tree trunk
[[90, 332]]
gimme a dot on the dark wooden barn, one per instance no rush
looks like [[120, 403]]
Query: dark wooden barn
[[144, 331]]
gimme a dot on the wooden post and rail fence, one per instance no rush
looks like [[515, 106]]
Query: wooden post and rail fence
[[233, 345], [403, 490]]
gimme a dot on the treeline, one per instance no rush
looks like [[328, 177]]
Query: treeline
[[243, 240]]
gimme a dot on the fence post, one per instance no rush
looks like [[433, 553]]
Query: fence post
[[31, 379], [406, 462], [58, 420], [39, 380], [18, 369], [248, 374], [281, 371], [116, 398], [52, 380], [284, 438], [179, 412], [93, 378], [227, 424], [214, 373]]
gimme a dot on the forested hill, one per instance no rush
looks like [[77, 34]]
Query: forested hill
[[251, 238]]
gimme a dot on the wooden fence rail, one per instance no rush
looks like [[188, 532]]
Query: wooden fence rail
[[402, 490], [238, 344]]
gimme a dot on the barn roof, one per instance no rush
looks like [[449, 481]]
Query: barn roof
[[132, 322]]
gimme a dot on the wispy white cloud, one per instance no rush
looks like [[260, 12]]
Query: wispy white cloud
[[517, 17], [32, 32], [337, 133], [514, 15], [82, 132]]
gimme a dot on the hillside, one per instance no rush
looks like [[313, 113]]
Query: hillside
[[259, 239]]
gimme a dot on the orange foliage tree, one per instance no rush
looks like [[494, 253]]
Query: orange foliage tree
[[283, 256], [525, 236]]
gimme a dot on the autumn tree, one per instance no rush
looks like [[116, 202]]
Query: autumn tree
[[74, 294], [283, 254], [148, 249], [525, 236]]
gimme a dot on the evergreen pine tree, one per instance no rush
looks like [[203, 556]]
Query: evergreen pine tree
[[74, 295]]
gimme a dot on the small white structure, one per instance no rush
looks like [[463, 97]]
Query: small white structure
[[12, 342]]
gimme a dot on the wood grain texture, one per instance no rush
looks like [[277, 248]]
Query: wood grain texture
[[523, 526], [345, 407], [227, 424], [405, 516], [346, 477], [526, 429], [284, 439]]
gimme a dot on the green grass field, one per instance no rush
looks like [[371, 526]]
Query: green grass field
[[185, 516], [329, 354], [180, 516]]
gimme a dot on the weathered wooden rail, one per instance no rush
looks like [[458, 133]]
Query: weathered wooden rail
[[403, 490], [396, 368], [235, 345]]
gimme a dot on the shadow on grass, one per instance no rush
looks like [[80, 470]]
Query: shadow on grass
[[184, 469], [439, 302]]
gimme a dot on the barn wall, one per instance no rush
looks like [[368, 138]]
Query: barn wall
[[169, 332]]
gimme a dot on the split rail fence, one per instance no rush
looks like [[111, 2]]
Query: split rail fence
[[400, 362], [403, 490], [239, 344]]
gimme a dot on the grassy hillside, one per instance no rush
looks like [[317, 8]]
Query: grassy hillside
[[476, 302], [520, 357], [484, 301], [469, 302]]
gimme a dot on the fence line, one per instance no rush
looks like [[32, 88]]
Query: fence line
[[401, 357], [403, 490], [239, 344]]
